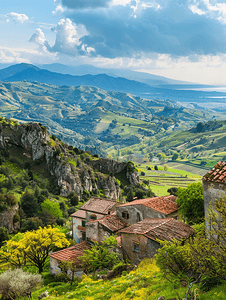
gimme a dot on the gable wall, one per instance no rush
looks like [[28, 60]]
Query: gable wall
[[134, 210]]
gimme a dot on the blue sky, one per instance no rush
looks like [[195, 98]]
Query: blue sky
[[181, 39]]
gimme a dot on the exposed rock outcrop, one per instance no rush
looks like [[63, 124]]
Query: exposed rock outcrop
[[6, 219], [72, 172]]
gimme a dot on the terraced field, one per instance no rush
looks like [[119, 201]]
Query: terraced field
[[176, 175]]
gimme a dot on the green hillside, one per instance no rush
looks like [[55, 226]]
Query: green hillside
[[94, 119]]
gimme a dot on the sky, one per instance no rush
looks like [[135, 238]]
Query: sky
[[179, 39]]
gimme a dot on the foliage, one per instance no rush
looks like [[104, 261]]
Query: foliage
[[74, 199], [31, 224], [130, 195], [35, 246], [4, 235], [100, 256], [175, 156], [7, 200], [51, 207], [17, 283], [191, 203], [29, 204]]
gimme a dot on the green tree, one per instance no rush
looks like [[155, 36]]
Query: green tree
[[191, 203], [74, 199], [29, 204], [31, 224], [130, 195], [175, 156], [52, 208], [4, 235], [100, 256]]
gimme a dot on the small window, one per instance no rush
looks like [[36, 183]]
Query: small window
[[83, 223], [93, 217], [136, 247], [83, 236], [138, 217], [125, 214]]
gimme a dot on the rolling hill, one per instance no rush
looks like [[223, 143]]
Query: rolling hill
[[92, 118]]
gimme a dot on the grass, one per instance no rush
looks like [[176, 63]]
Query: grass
[[144, 283]]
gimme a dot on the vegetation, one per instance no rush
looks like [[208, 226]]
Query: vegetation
[[100, 256], [33, 247], [15, 284], [191, 203]]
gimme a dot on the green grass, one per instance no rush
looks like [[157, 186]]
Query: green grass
[[144, 283]]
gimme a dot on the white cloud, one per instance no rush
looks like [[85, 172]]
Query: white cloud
[[18, 17], [38, 37], [212, 9], [13, 55]]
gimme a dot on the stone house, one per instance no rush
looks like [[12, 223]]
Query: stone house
[[68, 254], [157, 207], [103, 228], [94, 209], [140, 240], [214, 186]]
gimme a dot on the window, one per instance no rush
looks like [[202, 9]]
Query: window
[[138, 217], [93, 217], [83, 236], [135, 247], [83, 223], [125, 214]]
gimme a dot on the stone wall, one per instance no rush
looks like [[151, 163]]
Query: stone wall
[[212, 191], [140, 212], [146, 247]]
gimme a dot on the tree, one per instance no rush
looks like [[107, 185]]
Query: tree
[[175, 156], [31, 224], [29, 204], [130, 195], [35, 246], [4, 235], [191, 203], [74, 199], [16, 283], [100, 256], [53, 208]]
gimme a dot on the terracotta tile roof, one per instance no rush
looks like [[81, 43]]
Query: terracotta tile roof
[[112, 222], [162, 229], [99, 205], [72, 253], [164, 204], [81, 214], [217, 174]]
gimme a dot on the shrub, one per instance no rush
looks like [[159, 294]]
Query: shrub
[[16, 218], [31, 224], [17, 283], [4, 235]]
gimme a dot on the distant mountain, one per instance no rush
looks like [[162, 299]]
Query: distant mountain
[[31, 73], [80, 70], [180, 93]]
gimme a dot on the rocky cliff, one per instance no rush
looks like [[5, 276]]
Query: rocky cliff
[[73, 169]]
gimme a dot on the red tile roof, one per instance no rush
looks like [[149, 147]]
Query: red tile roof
[[112, 222], [72, 253], [99, 205], [164, 204], [217, 174], [81, 214], [162, 229]]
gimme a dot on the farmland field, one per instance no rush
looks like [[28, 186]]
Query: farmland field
[[173, 174]]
